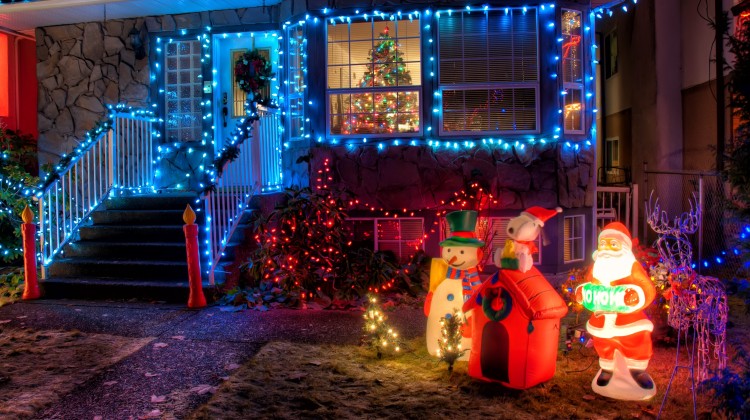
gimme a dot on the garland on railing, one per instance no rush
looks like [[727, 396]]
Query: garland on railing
[[54, 172]]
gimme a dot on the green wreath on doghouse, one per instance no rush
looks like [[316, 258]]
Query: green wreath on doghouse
[[252, 73]]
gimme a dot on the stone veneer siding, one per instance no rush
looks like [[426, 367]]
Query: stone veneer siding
[[420, 177], [83, 67]]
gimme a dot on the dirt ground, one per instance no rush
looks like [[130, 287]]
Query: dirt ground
[[293, 381], [37, 368]]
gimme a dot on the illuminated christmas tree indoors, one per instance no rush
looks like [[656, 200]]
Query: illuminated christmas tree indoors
[[384, 112]]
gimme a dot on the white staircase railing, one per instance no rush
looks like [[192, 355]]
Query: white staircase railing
[[617, 204], [118, 158], [256, 168]]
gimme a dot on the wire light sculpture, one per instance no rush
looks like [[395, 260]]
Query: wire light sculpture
[[697, 303]]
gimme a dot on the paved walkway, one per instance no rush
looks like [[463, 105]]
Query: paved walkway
[[207, 341]]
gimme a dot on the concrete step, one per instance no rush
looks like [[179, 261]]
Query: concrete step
[[167, 271], [105, 288], [140, 217], [139, 233], [167, 201], [151, 251]]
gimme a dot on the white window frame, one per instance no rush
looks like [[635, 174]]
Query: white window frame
[[578, 221], [172, 134], [296, 91], [498, 238], [613, 145], [490, 86], [376, 240], [418, 88], [571, 86]]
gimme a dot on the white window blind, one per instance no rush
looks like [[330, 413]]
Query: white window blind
[[183, 90], [496, 236], [402, 236], [573, 238], [489, 71]]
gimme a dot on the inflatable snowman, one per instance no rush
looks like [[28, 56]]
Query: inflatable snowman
[[454, 277]]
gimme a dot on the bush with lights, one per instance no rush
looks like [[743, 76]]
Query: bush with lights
[[449, 345], [18, 158], [376, 333]]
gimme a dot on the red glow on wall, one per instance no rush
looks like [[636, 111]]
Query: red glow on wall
[[4, 68]]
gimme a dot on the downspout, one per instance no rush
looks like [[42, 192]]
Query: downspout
[[720, 85]]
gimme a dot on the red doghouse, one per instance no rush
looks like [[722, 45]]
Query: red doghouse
[[515, 329]]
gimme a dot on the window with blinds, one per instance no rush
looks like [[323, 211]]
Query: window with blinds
[[489, 71], [402, 236], [296, 56], [573, 238], [572, 62], [493, 230], [183, 90], [373, 77]]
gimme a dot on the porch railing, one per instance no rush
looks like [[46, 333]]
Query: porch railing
[[119, 158], [256, 169], [618, 204]]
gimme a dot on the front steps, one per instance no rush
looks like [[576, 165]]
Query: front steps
[[133, 248]]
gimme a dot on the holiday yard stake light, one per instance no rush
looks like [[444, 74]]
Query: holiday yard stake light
[[376, 333], [617, 291]]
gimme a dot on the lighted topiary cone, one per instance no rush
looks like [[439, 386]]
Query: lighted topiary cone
[[28, 231], [196, 298]]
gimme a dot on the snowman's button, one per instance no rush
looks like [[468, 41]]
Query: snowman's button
[[448, 316], [450, 297]]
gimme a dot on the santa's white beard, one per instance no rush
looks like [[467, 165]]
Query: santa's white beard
[[610, 266]]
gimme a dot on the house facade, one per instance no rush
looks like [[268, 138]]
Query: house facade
[[403, 105]]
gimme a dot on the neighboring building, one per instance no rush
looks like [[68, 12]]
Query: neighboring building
[[500, 95]]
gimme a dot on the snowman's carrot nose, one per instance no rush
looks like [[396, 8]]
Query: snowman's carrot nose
[[452, 260]]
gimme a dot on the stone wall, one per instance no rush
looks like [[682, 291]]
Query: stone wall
[[83, 67], [420, 177]]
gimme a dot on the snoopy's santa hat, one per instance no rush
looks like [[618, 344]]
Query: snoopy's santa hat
[[617, 231], [540, 214]]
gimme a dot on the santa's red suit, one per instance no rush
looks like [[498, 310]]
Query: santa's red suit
[[629, 332]]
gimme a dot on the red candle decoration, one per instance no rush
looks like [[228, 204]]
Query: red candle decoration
[[28, 231], [196, 298]]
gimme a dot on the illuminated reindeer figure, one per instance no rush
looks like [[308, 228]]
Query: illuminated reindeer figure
[[695, 301]]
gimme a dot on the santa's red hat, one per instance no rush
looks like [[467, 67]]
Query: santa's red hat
[[618, 231], [540, 214]]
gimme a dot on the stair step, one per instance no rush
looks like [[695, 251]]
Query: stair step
[[121, 288], [138, 233], [152, 251], [140, 217], [168, 201], [166, 271]]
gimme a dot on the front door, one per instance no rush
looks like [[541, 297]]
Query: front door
[[229, 99]]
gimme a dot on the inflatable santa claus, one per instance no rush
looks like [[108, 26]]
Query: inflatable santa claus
[[617, 291]]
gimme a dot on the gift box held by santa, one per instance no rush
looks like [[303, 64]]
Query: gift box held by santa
[[453, 277], [617, 291]]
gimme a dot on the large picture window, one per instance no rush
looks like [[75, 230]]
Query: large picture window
[[373, 78], [297, 84], [183, 89], [572, 62], [489, 71]]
